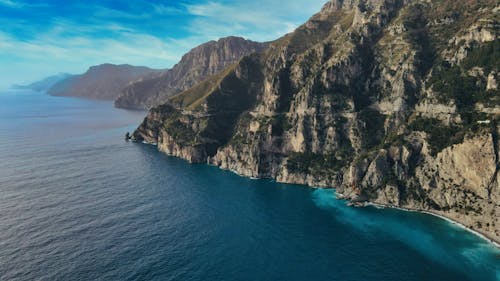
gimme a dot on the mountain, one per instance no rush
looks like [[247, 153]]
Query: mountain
[[392, 102], [104, 82], [44, 84], [202, 61]]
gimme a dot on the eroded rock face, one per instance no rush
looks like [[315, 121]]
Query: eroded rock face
[[369, 97], [463, 181], [470, 165], [193, 154], [492, 82]]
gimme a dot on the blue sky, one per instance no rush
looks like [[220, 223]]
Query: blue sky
[[41, 38]]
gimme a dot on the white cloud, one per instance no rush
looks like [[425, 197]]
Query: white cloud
[[9, 3], [260, 20], [51, 55], [69, 46], [20, 4]]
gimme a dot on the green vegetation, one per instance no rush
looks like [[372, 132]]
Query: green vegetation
[[226, 96], [239, 136], [486, 56], [180, 132], [393, 139], [195, 96], [338, 94], [286, 90], [438, 136], [391, 179], [361, 97], [280, 124], [321, 164], [419, 38], [237, 140], [315, 163], [373, 133], [453, 82], [347, 21], [463, 14], [304, 37]]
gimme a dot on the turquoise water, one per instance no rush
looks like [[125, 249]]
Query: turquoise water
[[79, 203]]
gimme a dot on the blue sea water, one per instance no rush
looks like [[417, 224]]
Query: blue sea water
[[79, 203]]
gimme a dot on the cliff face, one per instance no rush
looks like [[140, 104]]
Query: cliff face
[[104, 82], [199, 63], [389, 101]]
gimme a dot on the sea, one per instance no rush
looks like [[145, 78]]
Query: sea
[[77, 202]]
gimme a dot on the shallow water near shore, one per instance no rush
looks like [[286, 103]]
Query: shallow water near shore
[[79, 203]]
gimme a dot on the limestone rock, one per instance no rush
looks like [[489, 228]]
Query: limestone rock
[[376, 98]]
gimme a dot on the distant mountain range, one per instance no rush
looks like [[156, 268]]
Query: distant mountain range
[[137, 87], [44, 84]]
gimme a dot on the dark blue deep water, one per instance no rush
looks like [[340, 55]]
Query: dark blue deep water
[[79, 203]]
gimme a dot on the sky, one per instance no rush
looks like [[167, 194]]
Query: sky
[[42, 38]]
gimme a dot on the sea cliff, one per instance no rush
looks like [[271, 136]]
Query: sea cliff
[[393, 102]]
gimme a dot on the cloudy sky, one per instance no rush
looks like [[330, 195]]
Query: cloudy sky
[[42, 38]]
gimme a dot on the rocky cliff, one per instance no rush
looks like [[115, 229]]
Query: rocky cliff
[[389, 101], [104, 82], [199, 63]]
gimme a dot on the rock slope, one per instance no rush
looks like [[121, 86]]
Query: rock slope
[[199, 63], [389, 101], [103, 82]]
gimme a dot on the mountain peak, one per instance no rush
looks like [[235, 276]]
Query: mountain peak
[[200, 62], [363, 5], [334, 5]]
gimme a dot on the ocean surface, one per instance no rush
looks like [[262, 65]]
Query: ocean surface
[[79, 203]]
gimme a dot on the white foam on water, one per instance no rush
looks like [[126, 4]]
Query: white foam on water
[[454, 247]]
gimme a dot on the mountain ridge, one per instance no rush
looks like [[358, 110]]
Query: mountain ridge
[[200, 62], [391, 102], [105, 81]]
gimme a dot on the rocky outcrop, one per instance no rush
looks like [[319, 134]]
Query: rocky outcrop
[[460, 182], [492, 84], [199, 63], [103, 82], [374, 98]]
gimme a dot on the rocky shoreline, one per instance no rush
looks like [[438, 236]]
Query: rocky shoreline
[[360, 204], [479, 234], [357, 204], [375, 98]]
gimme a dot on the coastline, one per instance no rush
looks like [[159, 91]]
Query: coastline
[[483, 236], [450, 220]]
